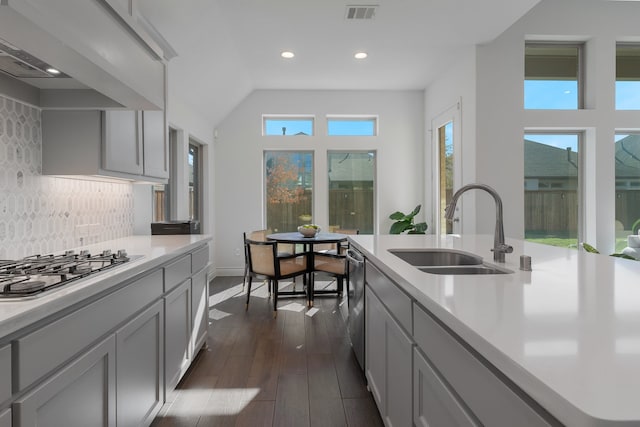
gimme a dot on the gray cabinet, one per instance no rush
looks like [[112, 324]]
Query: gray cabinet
[[5, 373], [122, 144], [433, 403], [388, 363], [177, 309], [5, 418], [199, 310], [490, 396], [140, 365], [82, 394]]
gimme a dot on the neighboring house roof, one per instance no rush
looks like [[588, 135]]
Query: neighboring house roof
[[545, 161]]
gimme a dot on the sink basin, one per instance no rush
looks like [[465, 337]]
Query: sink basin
[[464, 269], [436, 257], [446, 261]]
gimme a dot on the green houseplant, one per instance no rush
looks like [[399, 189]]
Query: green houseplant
[[406, 223]]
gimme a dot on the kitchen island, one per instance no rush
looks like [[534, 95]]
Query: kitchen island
[[564, 337], [105, 349]]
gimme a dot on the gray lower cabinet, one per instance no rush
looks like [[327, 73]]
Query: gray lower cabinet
[[5, 418], [388, 363], [82, 394], [433, 403], [199, 310], [177, 309], [140, 365], [5, 373]]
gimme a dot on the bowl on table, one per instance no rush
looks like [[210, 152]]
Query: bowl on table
[[308, 230]]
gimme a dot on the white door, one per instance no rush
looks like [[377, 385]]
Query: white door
[[448, 166]]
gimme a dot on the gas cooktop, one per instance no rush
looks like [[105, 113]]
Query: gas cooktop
[[37, 274]]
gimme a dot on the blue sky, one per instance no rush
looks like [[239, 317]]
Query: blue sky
[[337, 127]]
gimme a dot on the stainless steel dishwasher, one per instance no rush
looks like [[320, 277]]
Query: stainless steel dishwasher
[[356, 303]]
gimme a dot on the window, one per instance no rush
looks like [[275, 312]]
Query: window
[[287, 125], [551, 189], [352, 126], [288, 189], [195, 180], [552, 76], [627, 158], [351, 190], [627, 76], [446, 166]]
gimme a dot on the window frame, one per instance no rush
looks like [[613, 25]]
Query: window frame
[[580, 46], [353, 118], [288, 117]]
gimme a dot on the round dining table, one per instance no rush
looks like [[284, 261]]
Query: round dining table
[[308, 242]]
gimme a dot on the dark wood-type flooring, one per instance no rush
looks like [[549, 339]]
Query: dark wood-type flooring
[[295, 370]]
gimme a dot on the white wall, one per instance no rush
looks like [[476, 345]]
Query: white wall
[[238, 166], [457, 85], [500, 119]]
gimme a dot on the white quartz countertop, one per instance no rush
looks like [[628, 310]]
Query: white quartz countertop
[[155, 250], [567, 333]]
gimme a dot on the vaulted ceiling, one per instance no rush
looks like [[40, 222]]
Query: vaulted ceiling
[[227, 48]]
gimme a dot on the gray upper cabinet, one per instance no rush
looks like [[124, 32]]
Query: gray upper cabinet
[[122, 142], [115, 144]]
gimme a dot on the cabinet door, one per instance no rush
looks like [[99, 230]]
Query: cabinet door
[[375, 348], [5, 418], [80, 395], [433, 403], [399, 374], [177, 315], [199, 310], [122, 142], [140, 364], [155, 147], [5, 373]]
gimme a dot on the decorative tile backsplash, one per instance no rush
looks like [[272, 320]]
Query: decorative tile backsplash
[[41, 214]]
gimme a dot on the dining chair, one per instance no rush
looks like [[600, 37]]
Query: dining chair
[[265, 263], [261, 236], [333, 264]]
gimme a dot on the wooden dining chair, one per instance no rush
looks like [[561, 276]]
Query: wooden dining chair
[[333, 264], [261, 236], [266, 264]]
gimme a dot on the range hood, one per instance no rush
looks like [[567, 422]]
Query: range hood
[[22, 65]]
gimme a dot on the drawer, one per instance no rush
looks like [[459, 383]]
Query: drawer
[[477, 383], [5, 373], [397, 302], [44, 350], [199, 259], [5, 418], [176, 272]]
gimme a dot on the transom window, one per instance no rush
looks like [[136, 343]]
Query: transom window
[[627, 76], [352, 126], [287, 125], [552, 76]]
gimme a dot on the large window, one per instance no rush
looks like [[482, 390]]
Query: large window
[[162, 193], [287, 125], [352, 126], [552, 76], [627, 76], [627, 157], [288, 189], [445, 159], [351, 190], [551, 188]]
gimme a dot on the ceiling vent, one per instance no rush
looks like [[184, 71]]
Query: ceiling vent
[[361, 13]]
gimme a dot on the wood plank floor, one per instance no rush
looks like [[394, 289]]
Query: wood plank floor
[[295, 370]]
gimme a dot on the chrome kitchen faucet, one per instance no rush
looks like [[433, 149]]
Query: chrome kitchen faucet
[[500, 248]]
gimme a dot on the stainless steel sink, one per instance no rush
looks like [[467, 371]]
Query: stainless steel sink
[[446, 261], [465, 269], [436, 257]]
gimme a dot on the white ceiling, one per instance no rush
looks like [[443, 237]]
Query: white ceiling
[[227, 48]]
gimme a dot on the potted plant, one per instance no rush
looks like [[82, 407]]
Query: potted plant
[[406, 223]]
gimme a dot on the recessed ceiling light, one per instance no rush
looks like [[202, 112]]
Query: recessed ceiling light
[[287, 54], [53, 71], [360, 55]]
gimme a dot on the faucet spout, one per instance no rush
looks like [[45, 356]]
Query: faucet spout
[[500, 248]]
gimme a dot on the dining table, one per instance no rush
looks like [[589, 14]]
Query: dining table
[[297, 238]]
